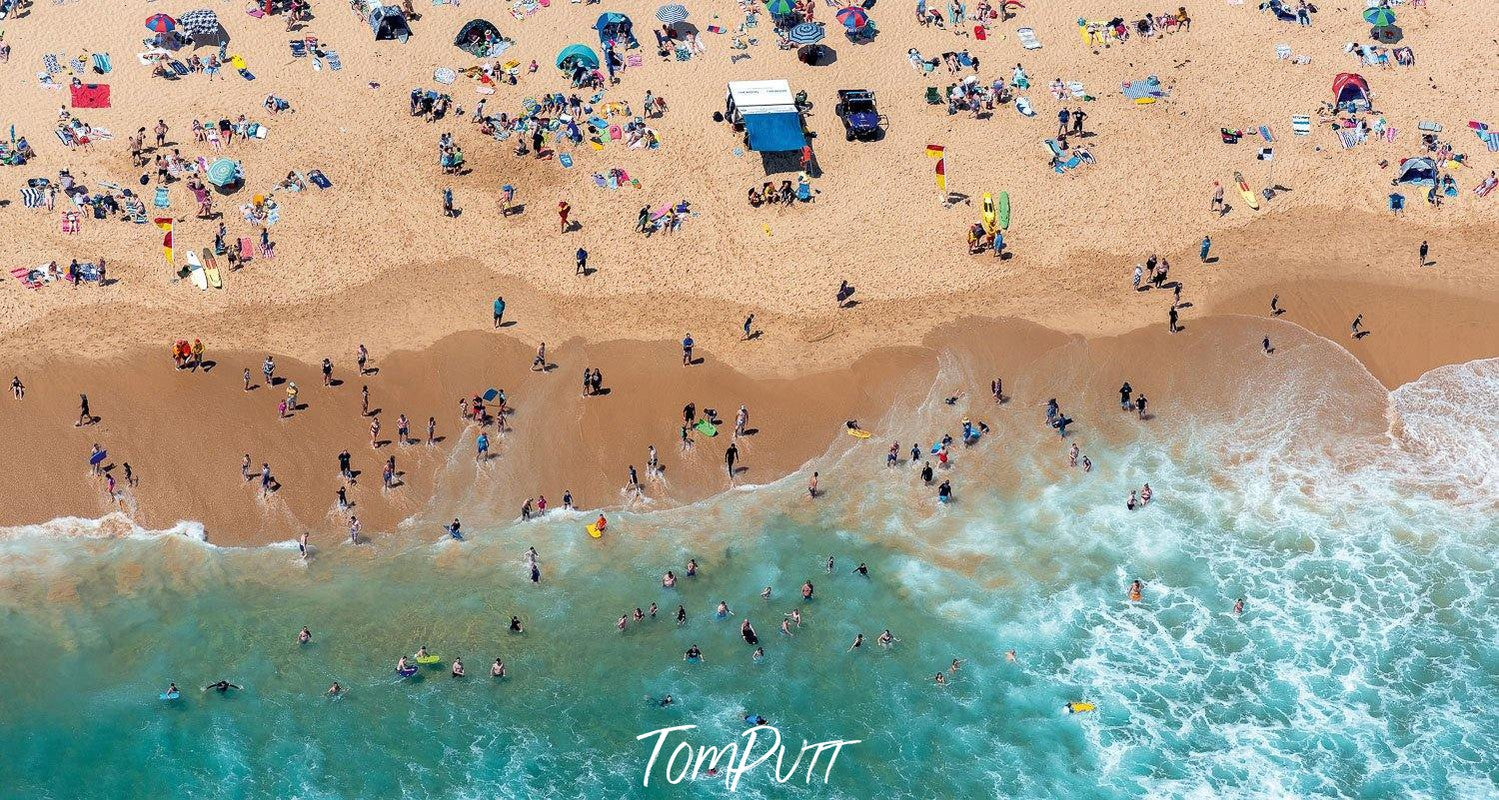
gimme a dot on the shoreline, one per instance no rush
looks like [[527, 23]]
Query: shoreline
[[159, 418]]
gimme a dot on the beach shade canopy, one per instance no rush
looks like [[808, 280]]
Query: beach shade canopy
[[160, 23], [387, 22], [577, 54], [1419, 171], [772, 122], [806, 33], [1379, 16], [853, 17], [1387, 34], [474, 31], [672, 13], [613, 25], [201, 23], [1350, 90], [223, 172]]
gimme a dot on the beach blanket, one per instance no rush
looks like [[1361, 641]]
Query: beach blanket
[[34, 198], [50, 64], [444, 75], [319, 179], [162, 199], [1150, 88], [1301, 125], [102, 63], [91, 95], [31, 279], [298, 48], [333, 61], [1028, 40]]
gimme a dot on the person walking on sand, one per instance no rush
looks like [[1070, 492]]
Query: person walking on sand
[[1207, 244], [730, 456], [582, 263], [481, 447], [539, 363], [17, 389], [687, 344], [354, 530], [268, 369], [362, 357], [1421, 262], [563, 209], [85, 417], [1358, 326], [499, 310], [1275, 309], [749, 323], [1217, 204]]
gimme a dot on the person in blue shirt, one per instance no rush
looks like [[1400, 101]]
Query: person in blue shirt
[[499, 311], [687, 344]]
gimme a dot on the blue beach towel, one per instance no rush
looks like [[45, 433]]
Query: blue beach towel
[[162, 198], [319, 179], [178, 67], [102, 63]]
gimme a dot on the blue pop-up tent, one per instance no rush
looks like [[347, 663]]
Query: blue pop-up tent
[[772, 123], [615, 26]]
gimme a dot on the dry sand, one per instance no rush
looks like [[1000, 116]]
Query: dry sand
[[373, 261]]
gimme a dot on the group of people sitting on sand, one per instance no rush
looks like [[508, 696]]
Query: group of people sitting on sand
[[1151, 26], [785, 195]]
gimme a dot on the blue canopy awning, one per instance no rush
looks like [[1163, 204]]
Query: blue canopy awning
[[774, 133]]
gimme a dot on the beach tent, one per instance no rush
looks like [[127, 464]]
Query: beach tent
[[1351, 91], [618, 27], [575, 54], [389, 23], [1418, 171], [766, 109], [202, 25], [473, 32]]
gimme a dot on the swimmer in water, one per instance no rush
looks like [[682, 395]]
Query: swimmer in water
[[421, 652], [795, 615], [639, 615], [623, 622], [665, 701], [692, 568], [693, 654], [858, 642], [401, 665], [723, 611], [515, 625], [497, 669], [812, 486], [765, 593], [830, 565], [304, 637], [172, 689], [862, 569], [940, 679], [1010, 656], [1135, 591], [1239, 606], [786, 627], [221, 687], [457, 667], [748, 632], [807, 590], [652, 612], [681, 616], [957, 662], [1131, 502], [887, 639], [669, 580], [759, 654], [335, 689]]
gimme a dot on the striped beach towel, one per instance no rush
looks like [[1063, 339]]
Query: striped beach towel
[[1490, 140], [102, 63], [333, 61], [1301, 125], [33, 198]]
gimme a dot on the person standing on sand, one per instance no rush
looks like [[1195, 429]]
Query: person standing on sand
[[1421, 262], [481, 447], [540, 362], [265, 479], [1172, 323], [1207, 244], [1356, 328], [431, 430], [749, 323], [354, 530], [17, 389], [1140, 406], [730, 456], [327, 372], [563, 209], [84, 416], [499, 310], [582, 263], [1266, 345], [1217, 204]]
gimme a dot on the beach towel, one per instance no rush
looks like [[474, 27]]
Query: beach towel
[[1301, 125], [1483, 189], [272, 215], [246, 252], [333, 61], [23, 275], [178, 67], [1027, 37], [102, 63], [71, 222], [444, 75], [1397, 202], [1148, 89], [91, 95], [1075, 88], [162, 199], [566, 160], [78, 65], [34, 198], [298, 48], [1490, 140], [50, 64], [1282, 51], [1348, 138], [319, 179], [1265, 133], [64, 135]]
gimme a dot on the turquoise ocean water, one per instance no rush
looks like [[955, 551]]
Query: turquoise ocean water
[[1366, 664]]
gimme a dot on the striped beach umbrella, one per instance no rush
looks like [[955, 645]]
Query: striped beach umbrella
[[806, 33], [853, 18], [203, 22], [1379, 16], [160, 23], [672, 13], [778, 8], [223, 172]]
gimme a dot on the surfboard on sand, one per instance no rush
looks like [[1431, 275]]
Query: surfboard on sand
[[987, 215], [195, 271], [1004, 210], [1246, 192], [211, 269]]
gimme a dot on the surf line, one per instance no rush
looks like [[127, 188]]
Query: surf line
[[737, 761]]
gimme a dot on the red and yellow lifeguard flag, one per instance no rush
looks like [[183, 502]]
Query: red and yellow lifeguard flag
[[936, 151], [165, 223]]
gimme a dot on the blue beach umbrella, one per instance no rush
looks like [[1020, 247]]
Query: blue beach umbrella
[[672, 13], [223, 172], [806, 33], [1379, 16]]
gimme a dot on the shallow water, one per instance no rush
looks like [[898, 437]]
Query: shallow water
[[1364, 666]]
